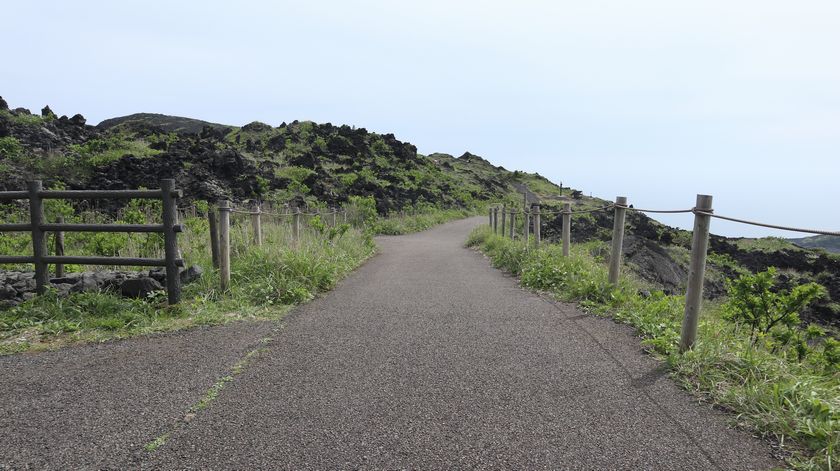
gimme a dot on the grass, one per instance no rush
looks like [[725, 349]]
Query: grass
[[265, 282], [418, 221], [770, 391]]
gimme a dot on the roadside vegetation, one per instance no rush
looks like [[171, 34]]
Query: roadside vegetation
[[753, 357], [265, 282]]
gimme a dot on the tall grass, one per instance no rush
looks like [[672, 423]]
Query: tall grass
[[265, 282], [795, 402]]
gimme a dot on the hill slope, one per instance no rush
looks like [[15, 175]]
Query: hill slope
[[167, 123], [828, 243], [297, 163], [304, 163]]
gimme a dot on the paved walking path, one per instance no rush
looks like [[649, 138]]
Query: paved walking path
[[426, 357]]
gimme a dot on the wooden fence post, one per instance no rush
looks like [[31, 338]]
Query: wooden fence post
[[618, 238], [567, 228], [170, 244], [59, 249], [696, 272], [527, 230], [256, 223], [333, 217], [537, 224], [512, 223], [214, 235], [496, 220], [296, 225], [504, 218], [224, 244], [39, 241], [490, 212]]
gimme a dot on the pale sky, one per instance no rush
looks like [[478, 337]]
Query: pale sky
[[656, 100]]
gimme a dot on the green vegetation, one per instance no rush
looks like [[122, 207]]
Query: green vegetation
[[265, 282], [23, 118], [98, 152], [766, 244], [418, 220], [784, 384]]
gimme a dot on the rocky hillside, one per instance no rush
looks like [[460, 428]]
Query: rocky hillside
[[297, 163], [302, 163]]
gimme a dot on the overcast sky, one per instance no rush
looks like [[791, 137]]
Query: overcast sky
[[657, 100]]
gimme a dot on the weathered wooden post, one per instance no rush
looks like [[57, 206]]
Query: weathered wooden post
[[59, 249], [39, 241], [296, 225], [214, 236], [567, 228], [256, 224], [537, 224], [696, 271], [333, 217], [618, 238], [490, 213], [224, 244], [512, 223], [504, 218], [170, 241], [527, 221], [495, 220]]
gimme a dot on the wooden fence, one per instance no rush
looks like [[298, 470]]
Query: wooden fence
[[38, 227], [703, 213], [220, 222]]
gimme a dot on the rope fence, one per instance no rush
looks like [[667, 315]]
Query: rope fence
[[703, 213]]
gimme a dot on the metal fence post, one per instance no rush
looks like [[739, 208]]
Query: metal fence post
[[696, 272], [537, 224], [59, 249], [512, 223], [224, 244], [39, 241], [214, 236], [170, 245], [256, 223], [567, 228], [618, 238]]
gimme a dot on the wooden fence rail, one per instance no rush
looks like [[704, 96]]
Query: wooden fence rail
[[38, 228]]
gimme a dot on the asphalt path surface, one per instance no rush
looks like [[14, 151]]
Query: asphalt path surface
[[424, 358]]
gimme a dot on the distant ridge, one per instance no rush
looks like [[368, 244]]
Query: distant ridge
[[826, 242], [175, 124]]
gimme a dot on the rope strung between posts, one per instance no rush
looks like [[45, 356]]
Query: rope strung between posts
[[770, 226], [605, 208], [660, 211]]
